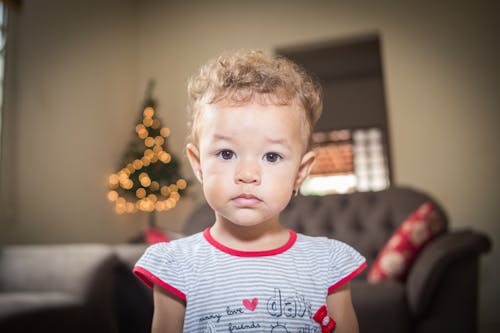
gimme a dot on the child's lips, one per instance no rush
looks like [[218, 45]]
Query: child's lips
[[246, 200]]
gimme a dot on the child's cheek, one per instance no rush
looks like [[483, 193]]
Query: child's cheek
[[217, 176], [281, 181], [215, 168]]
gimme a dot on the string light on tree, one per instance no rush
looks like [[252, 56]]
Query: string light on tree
[[149, 180]]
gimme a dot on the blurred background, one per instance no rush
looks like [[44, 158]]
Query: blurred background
[[76, 72]]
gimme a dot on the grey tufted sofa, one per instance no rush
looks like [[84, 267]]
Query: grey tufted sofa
[[441, 291]]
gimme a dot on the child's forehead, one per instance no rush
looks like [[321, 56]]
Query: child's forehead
[[262, 102], [252, 114], [269, 122]]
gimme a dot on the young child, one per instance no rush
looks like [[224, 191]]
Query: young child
[[252, 118]]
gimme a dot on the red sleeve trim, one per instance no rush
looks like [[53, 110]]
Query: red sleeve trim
[[347, 278], [150, 280]]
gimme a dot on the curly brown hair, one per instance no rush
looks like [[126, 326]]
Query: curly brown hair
[[239, 76]]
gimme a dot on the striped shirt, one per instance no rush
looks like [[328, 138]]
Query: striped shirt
[[236, 291]]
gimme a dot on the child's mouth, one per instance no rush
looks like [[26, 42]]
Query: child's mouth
[[246, 200]]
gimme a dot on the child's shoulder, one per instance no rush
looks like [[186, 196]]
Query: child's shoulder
[[319, 241], [333, 248], [177, 246]]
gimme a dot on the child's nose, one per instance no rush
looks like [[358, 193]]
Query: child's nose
[[248, 172]]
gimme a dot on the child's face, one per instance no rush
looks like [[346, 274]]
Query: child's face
[[249, 159]]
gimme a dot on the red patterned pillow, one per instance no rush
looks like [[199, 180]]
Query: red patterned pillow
[[398, 254]]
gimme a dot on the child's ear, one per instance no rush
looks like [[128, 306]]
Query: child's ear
[[304, 168], [193, 155]]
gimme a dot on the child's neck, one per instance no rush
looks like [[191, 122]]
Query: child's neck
[[263, 237]]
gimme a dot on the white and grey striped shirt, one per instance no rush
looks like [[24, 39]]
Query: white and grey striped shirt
[[234, 291]]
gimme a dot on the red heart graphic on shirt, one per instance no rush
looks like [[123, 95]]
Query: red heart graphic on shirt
[[250, 305]]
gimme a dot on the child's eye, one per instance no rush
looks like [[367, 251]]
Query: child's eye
[[226, 154], [272, 157]]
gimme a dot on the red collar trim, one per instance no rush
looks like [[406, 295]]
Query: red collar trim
[[238, 253]]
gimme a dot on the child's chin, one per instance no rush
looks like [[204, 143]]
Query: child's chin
[[249, 219]]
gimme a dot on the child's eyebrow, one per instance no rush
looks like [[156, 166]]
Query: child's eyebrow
[[222, 137], [278, 141], [273, 141]]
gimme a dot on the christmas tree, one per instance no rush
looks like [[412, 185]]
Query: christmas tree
[[150, 179]]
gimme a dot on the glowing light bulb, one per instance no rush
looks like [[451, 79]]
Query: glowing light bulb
[[140, 193], [145, 181], [175, 195], [137, 164], [148, 112], [165, 191], [113, 182], [119, 209], [165, 157], [164, 132], [130, 208], [147, 122], [139, 128], [181, 184], [123, 183], [149, 153], [155, 186], [159, 140], [153, 198], [146, 161], [143, 133], [112, 196], [168, 204], [172, 202], [149, 141], [128, 185]]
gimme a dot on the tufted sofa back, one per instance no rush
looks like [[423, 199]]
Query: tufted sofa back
[[365, 220]]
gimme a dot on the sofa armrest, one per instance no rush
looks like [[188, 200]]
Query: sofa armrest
[[82, 273], [71, 268], [435, 259]]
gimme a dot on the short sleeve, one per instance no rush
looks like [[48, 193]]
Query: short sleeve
[[345, 264], [159, 265]]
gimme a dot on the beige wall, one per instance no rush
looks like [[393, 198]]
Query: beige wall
[[77, 73]]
